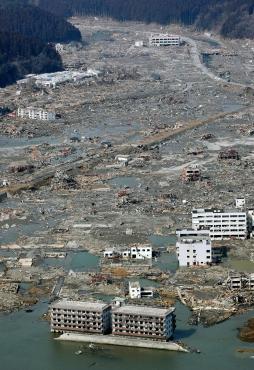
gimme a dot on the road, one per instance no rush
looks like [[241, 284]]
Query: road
[[197, 62]]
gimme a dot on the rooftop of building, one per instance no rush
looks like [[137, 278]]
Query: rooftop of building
[[35, 109], [194, 239], [127, 248], [143, 310], [80, 305], [164, 35], [193, 232], [134, 284], [216, 210]]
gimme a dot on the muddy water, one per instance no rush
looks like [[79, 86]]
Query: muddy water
[[76, 261], [26, 344], [240, 265]]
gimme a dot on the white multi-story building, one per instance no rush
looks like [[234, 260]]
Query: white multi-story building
[[142, 321], [194, 251], [164, 39], [36, 113], [221, 224], [141, 252], [181, 233], [240, 203], [138, 252]]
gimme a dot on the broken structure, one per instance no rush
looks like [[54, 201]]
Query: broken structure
[[137, 292], [238, 281], [191, 173], [228, 154]]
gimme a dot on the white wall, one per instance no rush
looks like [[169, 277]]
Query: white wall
[[194, 252]]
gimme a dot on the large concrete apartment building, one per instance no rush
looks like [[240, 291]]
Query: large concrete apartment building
[[141, 321], [36, 113], [164, 39], [220, 223], [100, 318], [76, 316]]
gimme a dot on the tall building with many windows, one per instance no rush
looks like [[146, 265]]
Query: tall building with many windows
[[142, 321], [83, 317], [164, 39], [221, 224]]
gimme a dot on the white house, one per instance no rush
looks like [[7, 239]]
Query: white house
[[139, 43], [141, 252], [221, 224], [123, 158], [25, 262], [240, 203], [194, 251], [134, 290]]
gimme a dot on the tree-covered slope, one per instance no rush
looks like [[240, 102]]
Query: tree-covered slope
[[232, 18], [25, 34]]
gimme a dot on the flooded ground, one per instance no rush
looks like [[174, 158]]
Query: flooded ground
[[75, 261], [126, 109], [24, 337]]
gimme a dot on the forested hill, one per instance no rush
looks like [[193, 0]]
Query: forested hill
[[25, 32], [20, 55], [232, 18], [32, 21]]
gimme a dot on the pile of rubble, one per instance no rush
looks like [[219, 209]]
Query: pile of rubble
[[62, 180]]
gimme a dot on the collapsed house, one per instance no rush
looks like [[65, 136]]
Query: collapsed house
[[137, 292], [228, 154], [238, 281], [191, 173]]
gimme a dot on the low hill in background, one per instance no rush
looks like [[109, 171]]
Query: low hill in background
[[231, 18]]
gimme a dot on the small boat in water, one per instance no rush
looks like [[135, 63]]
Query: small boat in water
[[79, 352]]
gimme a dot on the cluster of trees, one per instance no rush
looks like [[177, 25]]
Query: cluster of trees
[[233, 18], [25, 35], [31, 21], [27, 26]]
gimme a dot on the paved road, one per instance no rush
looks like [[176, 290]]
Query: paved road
[[197, 62]]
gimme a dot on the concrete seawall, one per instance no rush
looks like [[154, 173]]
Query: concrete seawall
[[121, 341]]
